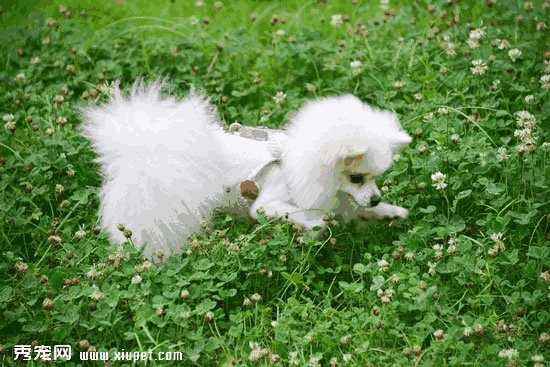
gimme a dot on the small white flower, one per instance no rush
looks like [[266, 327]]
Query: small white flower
[[8, 117], [529, 99], [314, 361], [449, 47], [545, 81], [438, 176], [383, 265], [440, 185], [279, 97], [398, 84], [443, 110], [502, 154], [525, 119], [96, 294], [337, 20], [477, 34], [94, 273], [496, 237], [356, 67], [509, 354], [280, 32], [428, 117], [514, 54], [293, 359], [136, 279], [472, 43], [20, 77], [479, 67], [503, 44]]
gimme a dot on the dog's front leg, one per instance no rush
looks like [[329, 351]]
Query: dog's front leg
[[278, 208], [384, 210]]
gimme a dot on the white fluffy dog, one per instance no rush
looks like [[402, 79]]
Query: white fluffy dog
[[168, 163]]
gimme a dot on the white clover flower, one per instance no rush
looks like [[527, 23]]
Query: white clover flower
[[537, 358], [337, 20], [502, 154], [398, 84], [496, 237], [280, 32], [545, 81], [382, 265], [96, 294], [193, 20], [438, 176], [448, 46], [279, 97], [20, 77], [8, 117], [257, 352], [479, 67], [509, 354], [356, 67], [314, 361], [94, 273], [525, 133], [503, 44], [136, 279], [199, 3], [431, 267], [293, 359], [477, 34], [428, 117], [472, 43], [514, 54], [525, 119], [529, 99], [443, 110]]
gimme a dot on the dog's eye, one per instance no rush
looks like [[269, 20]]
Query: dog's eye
[[357, 179]]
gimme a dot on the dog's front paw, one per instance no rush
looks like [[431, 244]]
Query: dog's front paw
[[399, 212], [385, 210]]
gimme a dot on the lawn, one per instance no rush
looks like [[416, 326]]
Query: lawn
[[464, 280]]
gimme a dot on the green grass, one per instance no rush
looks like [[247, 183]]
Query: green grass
[[450, 291]]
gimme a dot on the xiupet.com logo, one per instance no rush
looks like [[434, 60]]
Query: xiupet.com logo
[[64, 352]]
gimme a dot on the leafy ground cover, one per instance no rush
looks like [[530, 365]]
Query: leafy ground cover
[[463, 281]]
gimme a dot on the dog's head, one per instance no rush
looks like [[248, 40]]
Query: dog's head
[[339, 144]]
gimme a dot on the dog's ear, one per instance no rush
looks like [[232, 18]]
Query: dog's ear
[[353, 158]]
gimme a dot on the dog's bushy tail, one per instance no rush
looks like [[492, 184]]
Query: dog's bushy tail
[[160, 158]]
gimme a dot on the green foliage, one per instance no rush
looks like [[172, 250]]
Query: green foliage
[[464, 280]]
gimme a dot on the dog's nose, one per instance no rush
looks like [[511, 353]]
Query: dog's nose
[[375, 200]]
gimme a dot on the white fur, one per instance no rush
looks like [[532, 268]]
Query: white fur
[[167, 164]]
